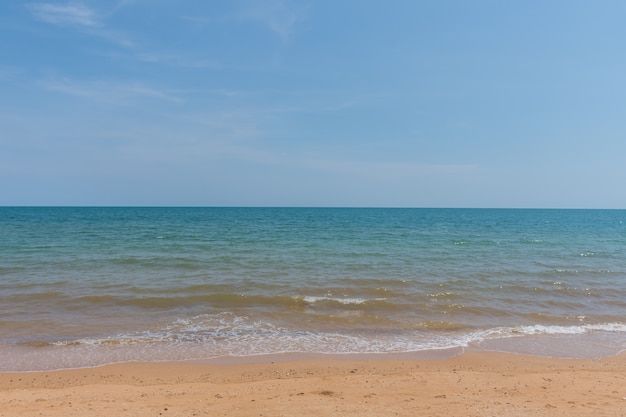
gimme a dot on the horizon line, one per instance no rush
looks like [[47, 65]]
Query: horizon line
[[305, 207]]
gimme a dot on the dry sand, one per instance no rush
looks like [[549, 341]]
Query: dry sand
[[474, 384]]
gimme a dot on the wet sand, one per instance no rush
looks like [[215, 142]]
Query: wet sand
[[474, 384]]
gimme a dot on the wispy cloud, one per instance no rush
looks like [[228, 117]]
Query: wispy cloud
[[105, 92], [66, 15], [374, 170], [80, 17], [241, 135], [391, 170], [8, 73], [277, 15], [175, 60]]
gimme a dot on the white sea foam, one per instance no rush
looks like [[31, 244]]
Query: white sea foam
[[226, 334], [540, 329], [249, 340], [346, 301]]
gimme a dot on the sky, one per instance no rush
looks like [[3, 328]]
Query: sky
[[398, 103]]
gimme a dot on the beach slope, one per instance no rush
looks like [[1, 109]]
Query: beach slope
[[474, 384]]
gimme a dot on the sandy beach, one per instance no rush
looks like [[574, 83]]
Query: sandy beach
[[473, 384]]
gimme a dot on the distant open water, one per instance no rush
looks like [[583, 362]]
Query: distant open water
[[88, 286]]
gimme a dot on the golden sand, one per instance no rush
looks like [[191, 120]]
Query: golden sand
[[476, 384]]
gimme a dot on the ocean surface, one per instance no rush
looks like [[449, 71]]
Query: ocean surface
[[88, 286]]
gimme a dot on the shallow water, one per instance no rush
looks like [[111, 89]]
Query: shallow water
[[86, 286]]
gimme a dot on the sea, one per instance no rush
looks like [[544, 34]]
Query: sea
[[87, 286]]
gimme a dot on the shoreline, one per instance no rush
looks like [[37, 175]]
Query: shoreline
[[551, 346], [474, 383]]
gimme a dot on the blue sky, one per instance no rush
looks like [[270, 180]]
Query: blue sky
[[410, 103]]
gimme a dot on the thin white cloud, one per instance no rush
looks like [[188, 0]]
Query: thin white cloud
[[277, 15], [105, 92], [281, 17], [239, 135], [394, 170], [8, 73], [80, 17], [65, 15], [122, 4], [175, 60], [374, 170], [230, 126]]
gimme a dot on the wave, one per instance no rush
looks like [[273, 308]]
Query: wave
[[208, 336], [163, 299], [539, 329], [234, 329], [338, 300]]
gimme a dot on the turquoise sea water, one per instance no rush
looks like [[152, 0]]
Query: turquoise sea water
[[87, 286]]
